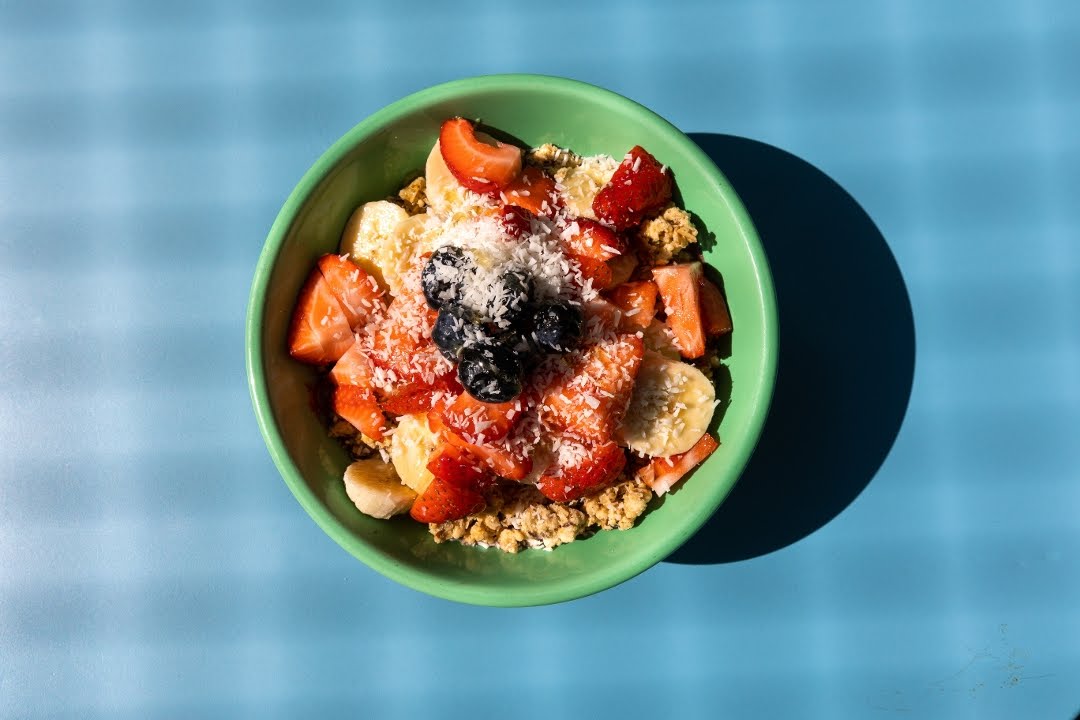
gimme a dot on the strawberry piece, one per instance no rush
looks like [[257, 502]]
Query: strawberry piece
[[715, 316], [601, 318], [639, 186], [579, 469], [477, 165], [505, 458], [663, 473], [588, 402], [516, 221], [637, 301], [535, 191], [319, 332], [679, 287], [352, 368], [585, 238], [414, 397], [456, 466], [595, 247], [481, 422], [401, 344], [443, 501], [356, 291], [358, 406]]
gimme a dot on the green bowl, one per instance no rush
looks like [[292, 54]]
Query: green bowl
[[369, 163]]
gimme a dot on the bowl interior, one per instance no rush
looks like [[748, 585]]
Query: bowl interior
[[369, 163]]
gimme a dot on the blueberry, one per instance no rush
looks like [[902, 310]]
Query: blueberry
[[510, 296], [490, 373], [444, 274], [454, 327], [556, 327]]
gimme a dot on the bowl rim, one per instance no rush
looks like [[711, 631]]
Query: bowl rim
[[548, 593]]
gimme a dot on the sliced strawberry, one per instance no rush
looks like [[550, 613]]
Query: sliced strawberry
[[319, 332], [680, 290], [414, 397], [596, 249], [662, 473], [535, 191], [505, 458], [480, 422], [622, 268], [579, 469], [352, 368], [601, 318], [401, 344], [456, 466], [714, 310], [358, 406], [443, 501], [516, 221], [587, 238], [588, 402], [637, 301], [479, 166], [358, 292], [639, 186]]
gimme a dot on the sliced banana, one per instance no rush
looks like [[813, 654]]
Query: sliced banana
[[413, 235], [581, 182], [376, 490], [369, 238], [410, 447], [444, 192], [670, 409]]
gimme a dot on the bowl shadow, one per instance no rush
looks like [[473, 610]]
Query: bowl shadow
[[846, 363]]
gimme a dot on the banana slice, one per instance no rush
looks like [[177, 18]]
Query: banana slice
[[581, 182], [410, 447], [375, 489], [444, 192], [670, 409], [413, 235], [369, 238]]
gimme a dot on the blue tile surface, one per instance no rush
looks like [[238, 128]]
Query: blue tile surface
[[152, 564]]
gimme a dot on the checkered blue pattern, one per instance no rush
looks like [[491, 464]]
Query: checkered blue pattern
[[152, 563]]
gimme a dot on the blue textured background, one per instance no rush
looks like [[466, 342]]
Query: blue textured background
[[152, 563]]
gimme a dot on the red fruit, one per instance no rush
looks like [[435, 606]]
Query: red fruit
[[596, 248], [680, 289], [358, 406], [352, 368], [662, 473], [535, 191], [585, 238], [637, 301], [516, 221], [319, 332], [639, 186], [401, 344], [505, 458], [456, 466], [443, 501], [480, 167], [414, 397], [356, 291], [715, 316], [480, 422], [588, 402], [579, 469]]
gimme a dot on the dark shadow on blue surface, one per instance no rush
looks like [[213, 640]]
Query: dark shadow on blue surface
[[847, 355]]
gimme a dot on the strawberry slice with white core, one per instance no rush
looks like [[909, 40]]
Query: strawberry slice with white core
[[680, 290], [479, 166], [319, 332]]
